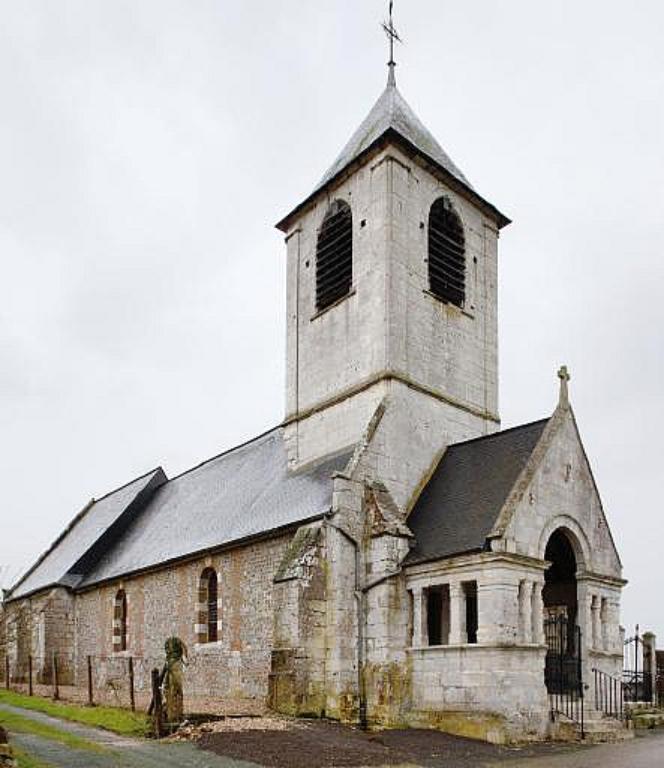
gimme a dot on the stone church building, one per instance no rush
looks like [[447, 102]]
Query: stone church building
[[386, 554]]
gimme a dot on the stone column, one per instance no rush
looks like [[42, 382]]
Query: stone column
[[596, 625], [419, 617], [650, 662], [604, 623], [538, 613], [527, 613], [458, 634]]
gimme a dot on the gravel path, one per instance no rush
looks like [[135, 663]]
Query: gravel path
[[122, 752]]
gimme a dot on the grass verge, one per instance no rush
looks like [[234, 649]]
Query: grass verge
[[120, 721], [19, 724], [28, 761]]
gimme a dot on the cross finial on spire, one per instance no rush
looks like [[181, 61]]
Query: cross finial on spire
[[563, 375], [392, 34]]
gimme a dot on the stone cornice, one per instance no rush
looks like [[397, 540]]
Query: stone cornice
[[475, 560], [385, 376]]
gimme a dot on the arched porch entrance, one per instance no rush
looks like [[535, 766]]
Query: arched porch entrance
[[560, 598]]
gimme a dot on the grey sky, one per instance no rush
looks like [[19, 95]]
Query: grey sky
[[147, 148]]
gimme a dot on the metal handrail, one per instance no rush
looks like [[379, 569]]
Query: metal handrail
[[609, 695]]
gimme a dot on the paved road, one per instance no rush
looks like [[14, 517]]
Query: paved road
[[122, 752], [646, 751]]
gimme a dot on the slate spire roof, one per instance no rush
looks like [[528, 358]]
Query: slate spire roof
[[392, 112], [392, 118]]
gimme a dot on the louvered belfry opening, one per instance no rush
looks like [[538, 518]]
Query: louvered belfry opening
[[447, 253], [334, 255]]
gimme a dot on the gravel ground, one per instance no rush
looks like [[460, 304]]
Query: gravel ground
[[323, 744]]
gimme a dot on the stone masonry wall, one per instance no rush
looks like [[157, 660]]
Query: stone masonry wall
[[40, 626], [164, 603]]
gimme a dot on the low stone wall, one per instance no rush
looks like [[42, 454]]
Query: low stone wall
[[493, 693]]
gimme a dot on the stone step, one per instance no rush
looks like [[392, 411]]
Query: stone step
[[598, 729], [648, 720]]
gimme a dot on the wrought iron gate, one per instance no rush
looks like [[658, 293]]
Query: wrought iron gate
[[659, 684], [563, 670], [637, 677]]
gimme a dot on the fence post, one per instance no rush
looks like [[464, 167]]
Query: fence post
[[156, 703], [30, 675], [7, 672], [90, 694], [132, 700], [56, 687]]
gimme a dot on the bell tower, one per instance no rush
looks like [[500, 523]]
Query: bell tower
[[391, 298]]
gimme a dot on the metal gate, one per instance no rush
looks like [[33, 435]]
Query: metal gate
[[637, 677], [659, 685], [563, 670]]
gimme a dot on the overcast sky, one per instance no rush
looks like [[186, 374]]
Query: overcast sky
[[148, 147]]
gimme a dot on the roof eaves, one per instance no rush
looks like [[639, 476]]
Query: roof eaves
[[435, 557], [190, 556]]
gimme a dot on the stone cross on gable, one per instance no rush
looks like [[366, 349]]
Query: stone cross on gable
[[563, 375]]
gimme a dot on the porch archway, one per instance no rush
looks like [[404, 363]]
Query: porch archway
[[561, 608]]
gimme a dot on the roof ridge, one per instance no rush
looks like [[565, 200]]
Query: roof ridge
[[226, 452], [500, 433]]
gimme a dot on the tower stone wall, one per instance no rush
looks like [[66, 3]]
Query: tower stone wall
[[390, 336]]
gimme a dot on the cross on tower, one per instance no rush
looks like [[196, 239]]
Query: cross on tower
[[392, 34], [563, 375]]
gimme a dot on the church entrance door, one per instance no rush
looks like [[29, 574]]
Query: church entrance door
[[563, 636]]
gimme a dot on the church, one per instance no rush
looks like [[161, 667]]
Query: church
[[386, 555]]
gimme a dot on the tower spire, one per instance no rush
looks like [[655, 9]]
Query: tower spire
[[392, 34]]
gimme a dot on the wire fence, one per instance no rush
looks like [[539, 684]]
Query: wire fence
[[124, 680]]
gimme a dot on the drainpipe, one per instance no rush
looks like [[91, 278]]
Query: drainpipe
[[359, 601]]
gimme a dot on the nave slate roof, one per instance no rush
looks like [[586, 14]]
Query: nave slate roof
[[239, 494], [59, 563], [460, 504]]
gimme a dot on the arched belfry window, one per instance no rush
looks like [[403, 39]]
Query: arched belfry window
[[334, 255], [120, 621], [447, 253], [207, 626]]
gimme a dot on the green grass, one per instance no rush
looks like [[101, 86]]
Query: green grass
[[28, 761], [19, 724], [120, 721]]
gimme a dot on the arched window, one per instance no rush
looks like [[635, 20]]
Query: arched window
[[334, 255], [207, 628], [447, 253], [120, 621]]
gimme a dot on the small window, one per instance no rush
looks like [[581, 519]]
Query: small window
[[470, 593], [207, 628], [447, 253], [120, 621], [334, 255]]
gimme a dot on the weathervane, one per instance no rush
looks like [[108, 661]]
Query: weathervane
[[392, 34]]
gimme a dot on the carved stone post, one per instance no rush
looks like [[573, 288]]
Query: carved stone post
[[458, 635], [538, 613], [595, 622], [419, 616]]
